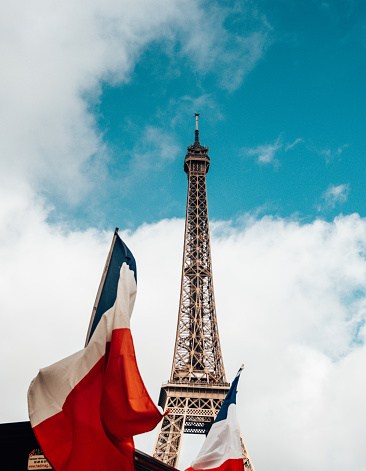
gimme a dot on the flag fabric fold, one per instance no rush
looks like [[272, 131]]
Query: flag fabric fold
[[222, 450], [85, 409]]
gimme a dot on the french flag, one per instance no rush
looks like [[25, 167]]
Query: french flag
[[221, 450], [85, 409]]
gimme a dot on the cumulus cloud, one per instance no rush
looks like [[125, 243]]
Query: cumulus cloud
[[291, 305], [336, 194], [55, 58]]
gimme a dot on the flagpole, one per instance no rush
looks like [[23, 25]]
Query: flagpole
[[101, 285]]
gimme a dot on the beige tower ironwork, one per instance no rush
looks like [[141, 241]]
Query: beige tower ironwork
[[197, 385]]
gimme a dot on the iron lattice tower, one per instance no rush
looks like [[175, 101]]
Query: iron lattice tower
[[197, 385]]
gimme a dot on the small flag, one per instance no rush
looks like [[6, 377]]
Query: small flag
[[221, 450], [85, 409]]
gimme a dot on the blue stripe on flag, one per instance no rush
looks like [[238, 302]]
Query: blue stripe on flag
[[121, 254], [229, 399]]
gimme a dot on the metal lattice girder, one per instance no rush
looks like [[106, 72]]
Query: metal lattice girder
[[197, 355], [197, 385], [192, 409]]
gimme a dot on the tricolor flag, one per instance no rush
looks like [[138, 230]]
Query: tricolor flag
[[85, 409], [221, 450]]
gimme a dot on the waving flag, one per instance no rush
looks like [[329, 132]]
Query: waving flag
[[85, 409], [221, 450]]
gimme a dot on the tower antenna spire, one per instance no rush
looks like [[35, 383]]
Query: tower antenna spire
[[196, 133]]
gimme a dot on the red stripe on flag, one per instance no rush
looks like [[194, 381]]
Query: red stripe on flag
[[101, 414], [134, 408]]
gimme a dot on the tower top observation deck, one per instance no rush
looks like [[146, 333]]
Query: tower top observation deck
[[196, 154]]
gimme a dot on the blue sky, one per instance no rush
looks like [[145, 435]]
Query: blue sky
[[282, 100], [96, 104]]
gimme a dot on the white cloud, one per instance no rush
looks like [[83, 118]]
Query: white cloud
[[55, 56], [265, 154], [235, 67], [330, 154], [336, 194], [293, 144], [214, 47], [154, 148], [290, 301]]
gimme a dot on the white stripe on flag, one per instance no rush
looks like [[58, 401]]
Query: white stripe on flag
[[222, 443], [75, 367]]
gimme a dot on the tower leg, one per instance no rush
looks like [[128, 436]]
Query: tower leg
[[169, 440], [248, 465], [187, 414]]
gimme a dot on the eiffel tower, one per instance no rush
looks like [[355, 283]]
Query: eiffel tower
[[197, 385]]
